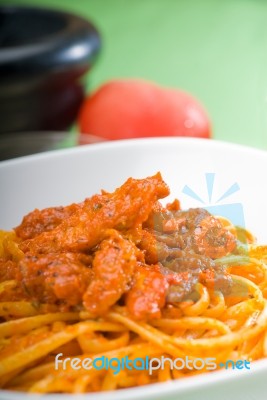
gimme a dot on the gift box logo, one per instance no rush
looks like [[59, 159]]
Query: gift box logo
[[232, 211]]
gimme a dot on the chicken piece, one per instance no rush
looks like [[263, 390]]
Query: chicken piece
[[56, 278], [195, 230], [8, 270], [154, 250], [184, 272], [45, 220], [147, 296], [175, 205], [127, 207], [113, 269], [183, 269], [212, 240]]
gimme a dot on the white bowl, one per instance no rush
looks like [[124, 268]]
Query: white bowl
[[65, 176]]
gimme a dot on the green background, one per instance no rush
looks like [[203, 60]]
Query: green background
[[215, 49]]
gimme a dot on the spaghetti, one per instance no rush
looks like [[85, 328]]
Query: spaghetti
[[120, 275]]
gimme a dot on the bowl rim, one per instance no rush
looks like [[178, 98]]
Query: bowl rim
[[120, 144]]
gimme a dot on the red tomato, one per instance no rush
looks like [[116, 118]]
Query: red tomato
[[123, 109]]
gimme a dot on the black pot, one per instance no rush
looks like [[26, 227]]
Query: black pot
[[43, 54]]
